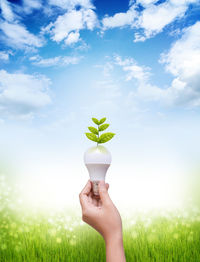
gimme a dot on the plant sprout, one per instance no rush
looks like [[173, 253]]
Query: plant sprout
[[95, 132]]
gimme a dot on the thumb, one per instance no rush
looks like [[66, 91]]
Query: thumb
[[103, 192]]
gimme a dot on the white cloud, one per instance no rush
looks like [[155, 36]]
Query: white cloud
[[72, 21], [4, 55], [13, 32], [72, 38], [140, 75], [34, 58], [22, 94], [70, 4], [151, 20], [79, 15], [55, 61], [12, 12], [65, 24], [6, 10], [17, 36], [29, 5], [182, 61], [119, 19], [134, 71], [89, 19], [82, 46], [155, 17], [145, 3], [139, 37]]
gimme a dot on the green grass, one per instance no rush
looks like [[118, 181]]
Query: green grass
[[34, 237], [66, 238]]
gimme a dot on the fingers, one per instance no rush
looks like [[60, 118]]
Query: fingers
[[99, 203], [95, 201], [83, 196], [90, 197], [103, 192], [86, 196], [87, 188]]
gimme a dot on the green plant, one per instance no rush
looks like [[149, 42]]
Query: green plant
[[95, 132]]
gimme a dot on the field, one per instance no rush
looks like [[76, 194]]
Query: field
[[35, 236]]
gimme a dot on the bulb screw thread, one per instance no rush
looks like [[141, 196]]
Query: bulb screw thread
[[95, 188]]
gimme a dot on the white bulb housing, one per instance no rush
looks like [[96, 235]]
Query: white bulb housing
[[97, 160]]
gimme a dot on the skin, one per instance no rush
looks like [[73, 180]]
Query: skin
[[101, 214]]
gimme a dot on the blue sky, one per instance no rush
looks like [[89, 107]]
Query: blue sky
[[65, 61]]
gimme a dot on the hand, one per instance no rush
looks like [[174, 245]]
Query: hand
[[101, 213]]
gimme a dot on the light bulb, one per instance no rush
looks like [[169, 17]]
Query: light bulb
[[97, 160]]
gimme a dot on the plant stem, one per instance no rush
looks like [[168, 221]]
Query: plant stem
[[98, 135]]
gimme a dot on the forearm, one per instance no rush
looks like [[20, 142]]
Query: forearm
[[115, 250]]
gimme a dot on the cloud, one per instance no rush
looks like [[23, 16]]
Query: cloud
[[145, 3], [72, 38], [6, 10], [83, 46], [75, 15], [55, 61], [14, 11], [145, 90], [13, 32], [71, 23], [4, 55], [154, 18], [151, 20], [119, 19], [22, 94], [17, 36], [30, 5], [182, 61], [71, 4], [134, 71]]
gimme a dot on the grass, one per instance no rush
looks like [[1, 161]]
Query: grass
[[34, 236]]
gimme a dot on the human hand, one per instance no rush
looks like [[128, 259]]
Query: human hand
[[101, 213]]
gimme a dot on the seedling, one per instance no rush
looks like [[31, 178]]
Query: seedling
[[95, 132]]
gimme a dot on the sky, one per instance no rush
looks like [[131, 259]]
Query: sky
[[135, 62]]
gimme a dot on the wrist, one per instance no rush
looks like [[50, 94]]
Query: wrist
[[115, 238], [115, 248]]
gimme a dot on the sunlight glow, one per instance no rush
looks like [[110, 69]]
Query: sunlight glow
[[143, 190]]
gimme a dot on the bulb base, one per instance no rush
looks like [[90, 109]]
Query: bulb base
[[95, 187]]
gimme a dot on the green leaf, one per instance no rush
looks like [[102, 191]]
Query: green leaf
[[96, 121], [103, 127], [93, 130], [102, 120], [92, 137], [105, 137]]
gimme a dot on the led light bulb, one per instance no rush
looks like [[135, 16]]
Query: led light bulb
[[97, 160]]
